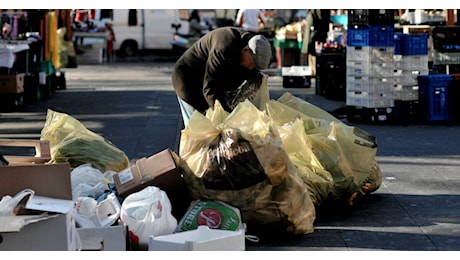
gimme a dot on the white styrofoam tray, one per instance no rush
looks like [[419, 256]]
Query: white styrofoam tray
[[201, 239]]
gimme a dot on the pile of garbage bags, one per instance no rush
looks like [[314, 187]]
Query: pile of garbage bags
[[279, 164], [268, 163]]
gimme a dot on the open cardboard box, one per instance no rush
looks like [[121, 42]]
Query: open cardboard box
[[49, 224], [201, 239], [159, 170], [111, 238]]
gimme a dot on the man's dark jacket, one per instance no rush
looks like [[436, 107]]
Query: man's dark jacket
[[211, 67]]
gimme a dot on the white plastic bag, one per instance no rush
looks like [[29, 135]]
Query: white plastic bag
[[147, 212], [10, 205], [88, 181], [90, 213]]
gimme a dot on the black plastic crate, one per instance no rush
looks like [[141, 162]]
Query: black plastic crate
[[405, 112], [357, 17], [369, 115], [332, 64], [11, 102], [446, 38], [333, 88], [328, 68], [296, 81], [442, 68], [290, 57], [32, 89], [454, 98], [335, 51]]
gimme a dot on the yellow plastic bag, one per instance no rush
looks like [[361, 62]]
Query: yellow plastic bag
[[297, 144], [347, 152], [246, 146], [70, 141]]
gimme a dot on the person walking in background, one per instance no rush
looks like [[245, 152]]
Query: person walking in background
[[195, 30], [110, 40], [218, 64], [250, 19], [315, 34], [6, 31]]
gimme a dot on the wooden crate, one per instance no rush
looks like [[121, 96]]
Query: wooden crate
[[42, 151]]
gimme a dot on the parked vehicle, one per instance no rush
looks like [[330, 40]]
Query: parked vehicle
[[181, 42], [147, 29]]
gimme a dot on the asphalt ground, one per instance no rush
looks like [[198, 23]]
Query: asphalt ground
[[417, 207]]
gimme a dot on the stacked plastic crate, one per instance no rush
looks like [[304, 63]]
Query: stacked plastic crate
[[410, 61], [446, 44], [370, 54], [438, 97], [331, 72]]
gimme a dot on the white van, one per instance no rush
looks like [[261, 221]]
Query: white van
[[146, 29]]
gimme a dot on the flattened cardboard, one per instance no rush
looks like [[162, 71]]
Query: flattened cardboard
[[48, 180], [47, 204]]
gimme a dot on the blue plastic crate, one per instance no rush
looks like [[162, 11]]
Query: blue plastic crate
[[372, 35], [397, 43], [433, 96], [414, 44]]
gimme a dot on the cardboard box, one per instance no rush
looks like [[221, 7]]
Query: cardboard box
[[49, 224], [50, 232], [159, 170], [49, 180], [201, 239], [12, 84], [113, 238]]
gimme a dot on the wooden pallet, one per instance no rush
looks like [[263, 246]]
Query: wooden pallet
[[42, 151]]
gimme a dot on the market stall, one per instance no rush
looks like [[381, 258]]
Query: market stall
[[30, 53]]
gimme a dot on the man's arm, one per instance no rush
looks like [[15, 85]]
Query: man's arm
[[261, 18], [214, 77], [239, 18]]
